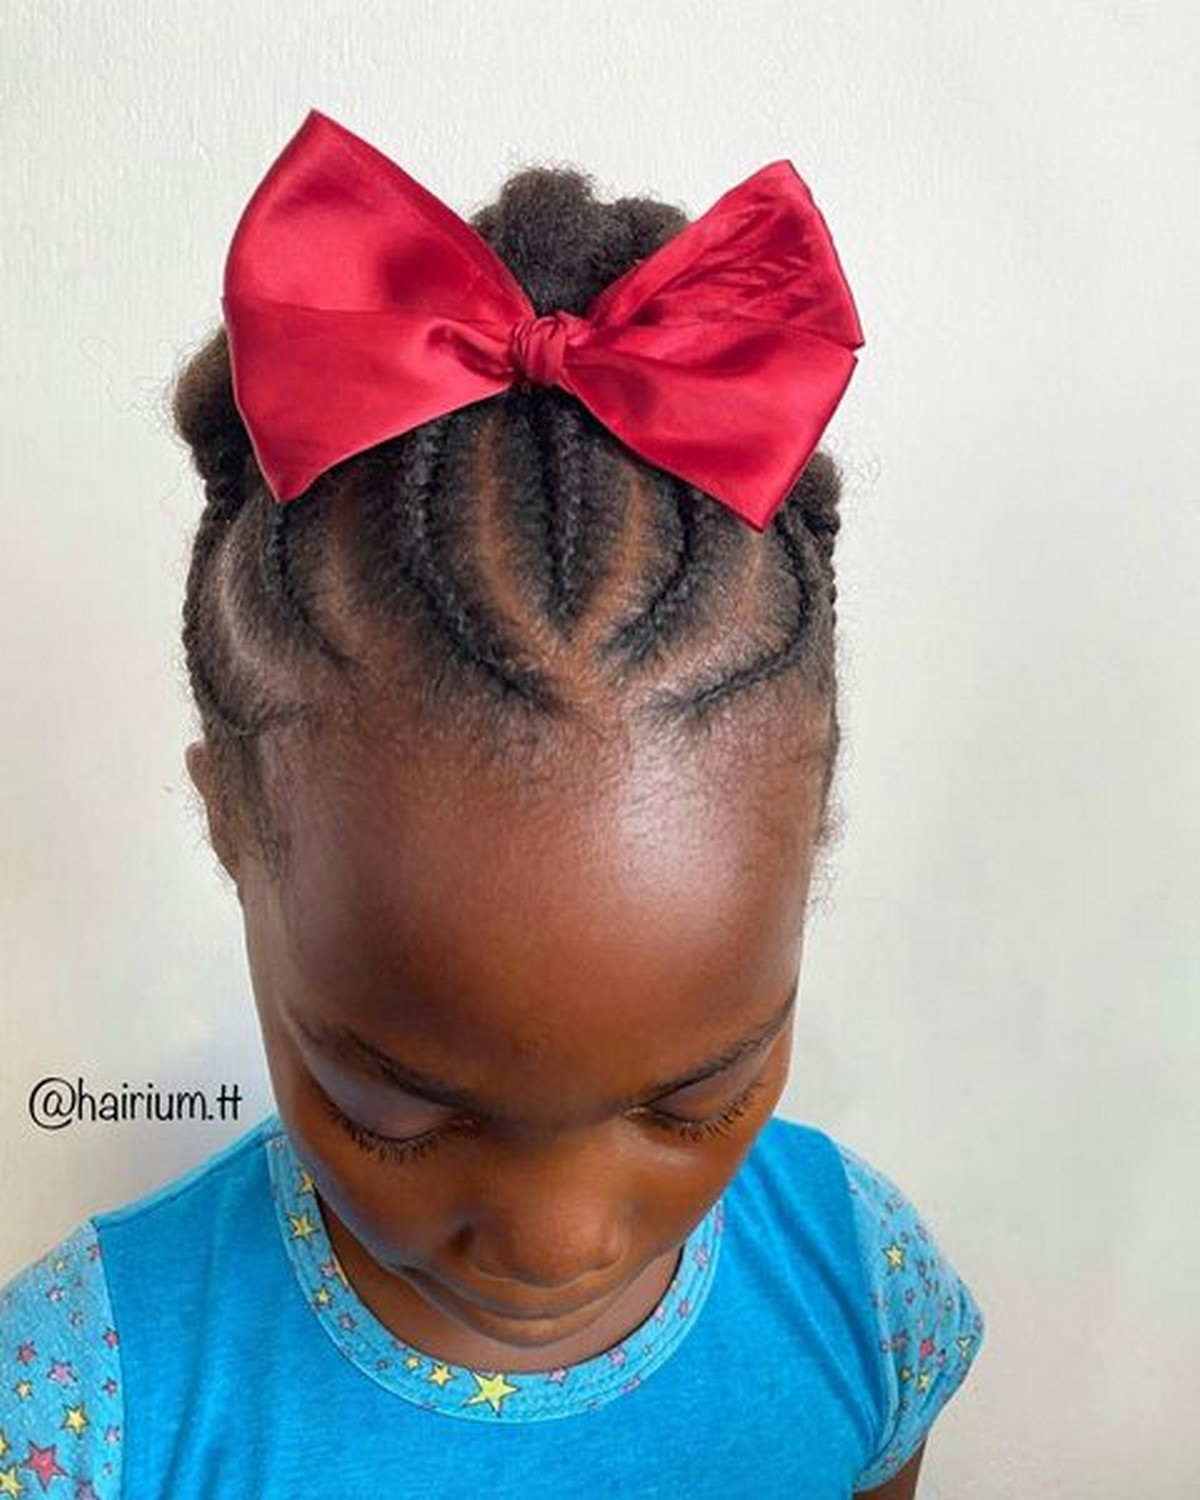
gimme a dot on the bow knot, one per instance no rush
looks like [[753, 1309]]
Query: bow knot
[[538, 346]]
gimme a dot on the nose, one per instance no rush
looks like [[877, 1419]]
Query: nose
[[549, 1216]]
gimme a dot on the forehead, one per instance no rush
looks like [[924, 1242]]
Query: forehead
[[629, 905]]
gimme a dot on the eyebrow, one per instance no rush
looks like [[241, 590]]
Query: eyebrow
[[346, 1042]]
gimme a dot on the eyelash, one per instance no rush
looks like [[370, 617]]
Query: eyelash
[[390, 1148], [698, 1130], [386, 1147]]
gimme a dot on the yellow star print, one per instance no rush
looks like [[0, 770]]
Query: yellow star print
[[4, 1445], [923, 1380], [75, 1418], [306, 1182], [492, 1388], [895, 1255], [441, 1375], [24, 1389], [321, 1296], [303, 1227], [411, 1362], [9, 1483]]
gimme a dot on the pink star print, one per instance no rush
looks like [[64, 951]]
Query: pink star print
[[44, 1463]]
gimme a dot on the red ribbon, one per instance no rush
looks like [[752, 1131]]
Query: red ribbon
[[358, 306]]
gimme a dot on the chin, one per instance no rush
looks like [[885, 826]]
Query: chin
[[519, 1330], [524, 1333]]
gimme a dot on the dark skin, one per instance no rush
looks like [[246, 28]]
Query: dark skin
[[557, 954]]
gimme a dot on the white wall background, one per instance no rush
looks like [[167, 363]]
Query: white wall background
[[999, 996]]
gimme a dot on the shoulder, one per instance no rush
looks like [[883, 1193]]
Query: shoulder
[[866, 1271], [70, 1319], [929, 1326], [173, 1232], [217, 1181], [60, 1374]]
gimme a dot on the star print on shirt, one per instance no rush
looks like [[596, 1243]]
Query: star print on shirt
[[493, 1388], [303, 1227], [75, 1419], [44, 1463]]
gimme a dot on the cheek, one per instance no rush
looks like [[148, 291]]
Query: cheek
[[775, 1078], [727, 1153], [392, 1207]]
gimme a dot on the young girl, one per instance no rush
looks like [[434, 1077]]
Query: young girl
[[510, 622]]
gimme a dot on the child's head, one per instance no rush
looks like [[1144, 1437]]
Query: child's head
[[519, 752]]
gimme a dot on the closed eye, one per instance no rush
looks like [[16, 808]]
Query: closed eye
[[718, 1124], [407, 1148]]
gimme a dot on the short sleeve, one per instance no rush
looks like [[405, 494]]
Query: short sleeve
[[930, 1327], [60, 1376]]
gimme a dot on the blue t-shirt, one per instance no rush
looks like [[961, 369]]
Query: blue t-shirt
[[205, 1341]]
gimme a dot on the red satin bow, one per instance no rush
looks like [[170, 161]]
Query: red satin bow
[[358, 306]]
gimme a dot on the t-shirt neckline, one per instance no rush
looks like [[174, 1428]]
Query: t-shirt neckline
[[458, 1390]]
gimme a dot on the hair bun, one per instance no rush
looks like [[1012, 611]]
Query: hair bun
[[207, 418], [563, 245]]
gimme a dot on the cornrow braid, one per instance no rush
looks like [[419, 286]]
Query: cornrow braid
[[494, 557], [278, 573], [568, 470], [698, 702], [465, 622], [225, 498], [680, 522]]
